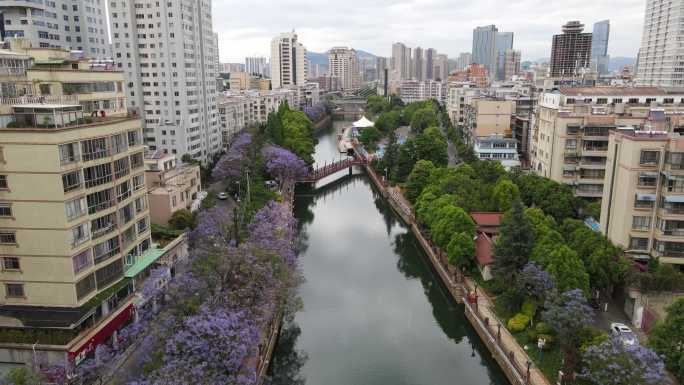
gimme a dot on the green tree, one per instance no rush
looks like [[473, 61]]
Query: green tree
[[418, 179], [377, 104], [567, 270], [298, 134], [407, 159], [182, 219], [461, 251], [388, 121], [515, 243], [667, 339], [22, 376], [423, 118], [451, 220], [431, 145], [504, 194], [369, 137], [391, 156]]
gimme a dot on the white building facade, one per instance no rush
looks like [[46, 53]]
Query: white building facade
[[168, 54], [344, 64], [660, 60], [289, 65]]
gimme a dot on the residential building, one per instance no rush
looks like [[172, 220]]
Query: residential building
[[171, 185], [464, 60], [570, 51], [484, 47], [256, 66], [400, 62], [430, 57], [504, 42], [71, 246], [642, 209], [414, 90], [498, 148], [344, 64], [456, 100], [441, 68], [599, 47], [486, 116], [225, 68], [69, 25], [256, 105], [238, 81], [475, 73], [570, 141], [289, 65], [231, 117], [419, 64], [511, 64], [383, 75], [659, 62], [168, 62]]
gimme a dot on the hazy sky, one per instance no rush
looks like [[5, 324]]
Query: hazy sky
[[245, 27]]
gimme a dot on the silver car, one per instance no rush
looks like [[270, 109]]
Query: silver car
[[624, 333]]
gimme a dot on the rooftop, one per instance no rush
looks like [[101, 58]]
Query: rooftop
[[610, 91], [487, 218]]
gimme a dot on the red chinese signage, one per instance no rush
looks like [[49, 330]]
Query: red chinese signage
[[77, 355]]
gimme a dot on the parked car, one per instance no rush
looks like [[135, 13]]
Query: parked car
[[222, 196], [624, 333]]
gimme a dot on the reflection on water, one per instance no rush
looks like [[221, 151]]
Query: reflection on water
[[374, 312]]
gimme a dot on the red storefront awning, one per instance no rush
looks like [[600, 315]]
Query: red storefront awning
[[78, 353]]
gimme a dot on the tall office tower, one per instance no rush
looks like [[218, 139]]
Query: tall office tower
[[419, 69], [484, 47], [659, 62], [511, 65], [430, 56], [73, 25], [504, 42], [255, 66], [289, 66], [599, 46], [464, 60], [441, 68], [400, 63], [344, 64], [571, 50], [169, 64]]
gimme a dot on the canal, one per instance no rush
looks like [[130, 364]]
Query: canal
[[373, 312]]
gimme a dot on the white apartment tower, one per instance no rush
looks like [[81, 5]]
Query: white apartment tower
[[73, 25], [660, 62], [344, 64], [166, 49], [289, 65]]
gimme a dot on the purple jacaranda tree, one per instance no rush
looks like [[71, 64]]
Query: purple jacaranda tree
[[283, 164], [213, 229], [615, 363], [567, 314], [315, 112], [534, 282], [231, 164], [274, 229], [92, 370], [214, 346]]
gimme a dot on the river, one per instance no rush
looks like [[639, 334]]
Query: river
[[373, 312]]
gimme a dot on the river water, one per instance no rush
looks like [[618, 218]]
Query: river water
[[373, 312]]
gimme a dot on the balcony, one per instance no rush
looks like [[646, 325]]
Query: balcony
[[103, 231]]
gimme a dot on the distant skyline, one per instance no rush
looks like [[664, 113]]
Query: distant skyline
[[246, 28]]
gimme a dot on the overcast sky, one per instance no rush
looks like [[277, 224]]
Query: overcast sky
[[245, 27]]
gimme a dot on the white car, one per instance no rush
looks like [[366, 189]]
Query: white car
[[222, 196], [624, 333]]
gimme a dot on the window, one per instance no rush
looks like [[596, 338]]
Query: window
[[94, 149], [648, 179], [85, 286], [137, 160], [138, 182], [123, 191], [5, 210], [142, 225], [121, 168], [71, 181], [14, 290], [44, 89], [3, 182], [97, 175], [109, 274], [75, 208], [105, 250], [139, 204], [173, 201], [570, 144], [80, 234], [638, 243], [641, 223], [81, 261], [10, 263], [100, 200], [649, 158], [68, 153], [8, 238]]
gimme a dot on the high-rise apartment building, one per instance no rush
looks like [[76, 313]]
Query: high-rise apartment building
[[419, 64], [72, 25], [642, 210], [441, 68], [289, 65], [504, 42], [344, 64], [511, 64], [570, 51], [599, 46], [400, 62], [660, 56], [484, 48], [166, 50], [430, 57], [256, 66], [464, 60]]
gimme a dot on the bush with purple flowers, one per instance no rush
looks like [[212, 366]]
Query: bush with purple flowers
[[615, 363]]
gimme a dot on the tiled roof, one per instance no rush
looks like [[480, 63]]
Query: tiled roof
[[487, 218], [484, 249]]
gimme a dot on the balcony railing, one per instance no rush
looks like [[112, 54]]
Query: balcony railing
[[98, 181], [103, 231], [105, 256], [39, 100], [101, 206]]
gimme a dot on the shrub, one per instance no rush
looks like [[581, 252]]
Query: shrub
[[532, 336], [182, 219], [529, 308], [518, 323], [543, 328], [549, 340]]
